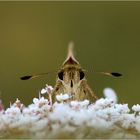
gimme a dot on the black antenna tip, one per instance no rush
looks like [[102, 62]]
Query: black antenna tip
[[116, 74], [25, 77]]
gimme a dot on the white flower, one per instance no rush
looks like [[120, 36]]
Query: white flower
[[13, 111], [62, 97], [18, 104], [79, 103], [44, 90], [85, 103], [47, 89], [103, 103], [127, 121], [110, 94], [40, 101], [122, 108], [74, 119], [136, 108], [74, 103]]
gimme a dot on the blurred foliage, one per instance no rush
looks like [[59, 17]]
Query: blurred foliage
[[34, 38]]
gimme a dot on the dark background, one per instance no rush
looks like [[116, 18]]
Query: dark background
[[34, 37]]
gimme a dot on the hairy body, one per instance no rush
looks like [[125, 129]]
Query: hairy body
[[71, 79]]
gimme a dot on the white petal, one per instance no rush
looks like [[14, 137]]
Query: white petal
[[110, 94], [43, 91]]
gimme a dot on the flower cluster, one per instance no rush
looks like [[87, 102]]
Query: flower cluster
[[104, 118]]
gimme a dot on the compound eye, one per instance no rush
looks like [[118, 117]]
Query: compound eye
[[82, 75], [60, 75]]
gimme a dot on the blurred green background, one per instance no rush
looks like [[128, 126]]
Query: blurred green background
[[34, 37]]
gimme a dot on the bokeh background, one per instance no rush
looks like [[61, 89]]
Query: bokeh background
[[34, 37]]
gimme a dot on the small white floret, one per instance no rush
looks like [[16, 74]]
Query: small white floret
[[43, 91], [62, 97], [47, 89], [136, 108], [110, 94]]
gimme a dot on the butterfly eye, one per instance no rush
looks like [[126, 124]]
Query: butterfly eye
[[82, 75], [60, 75]]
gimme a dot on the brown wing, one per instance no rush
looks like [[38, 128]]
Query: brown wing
[[87, 91], [83, 92], [57, 89]]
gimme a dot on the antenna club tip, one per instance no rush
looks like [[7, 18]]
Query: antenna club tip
[[25, 77], [116, 74]]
